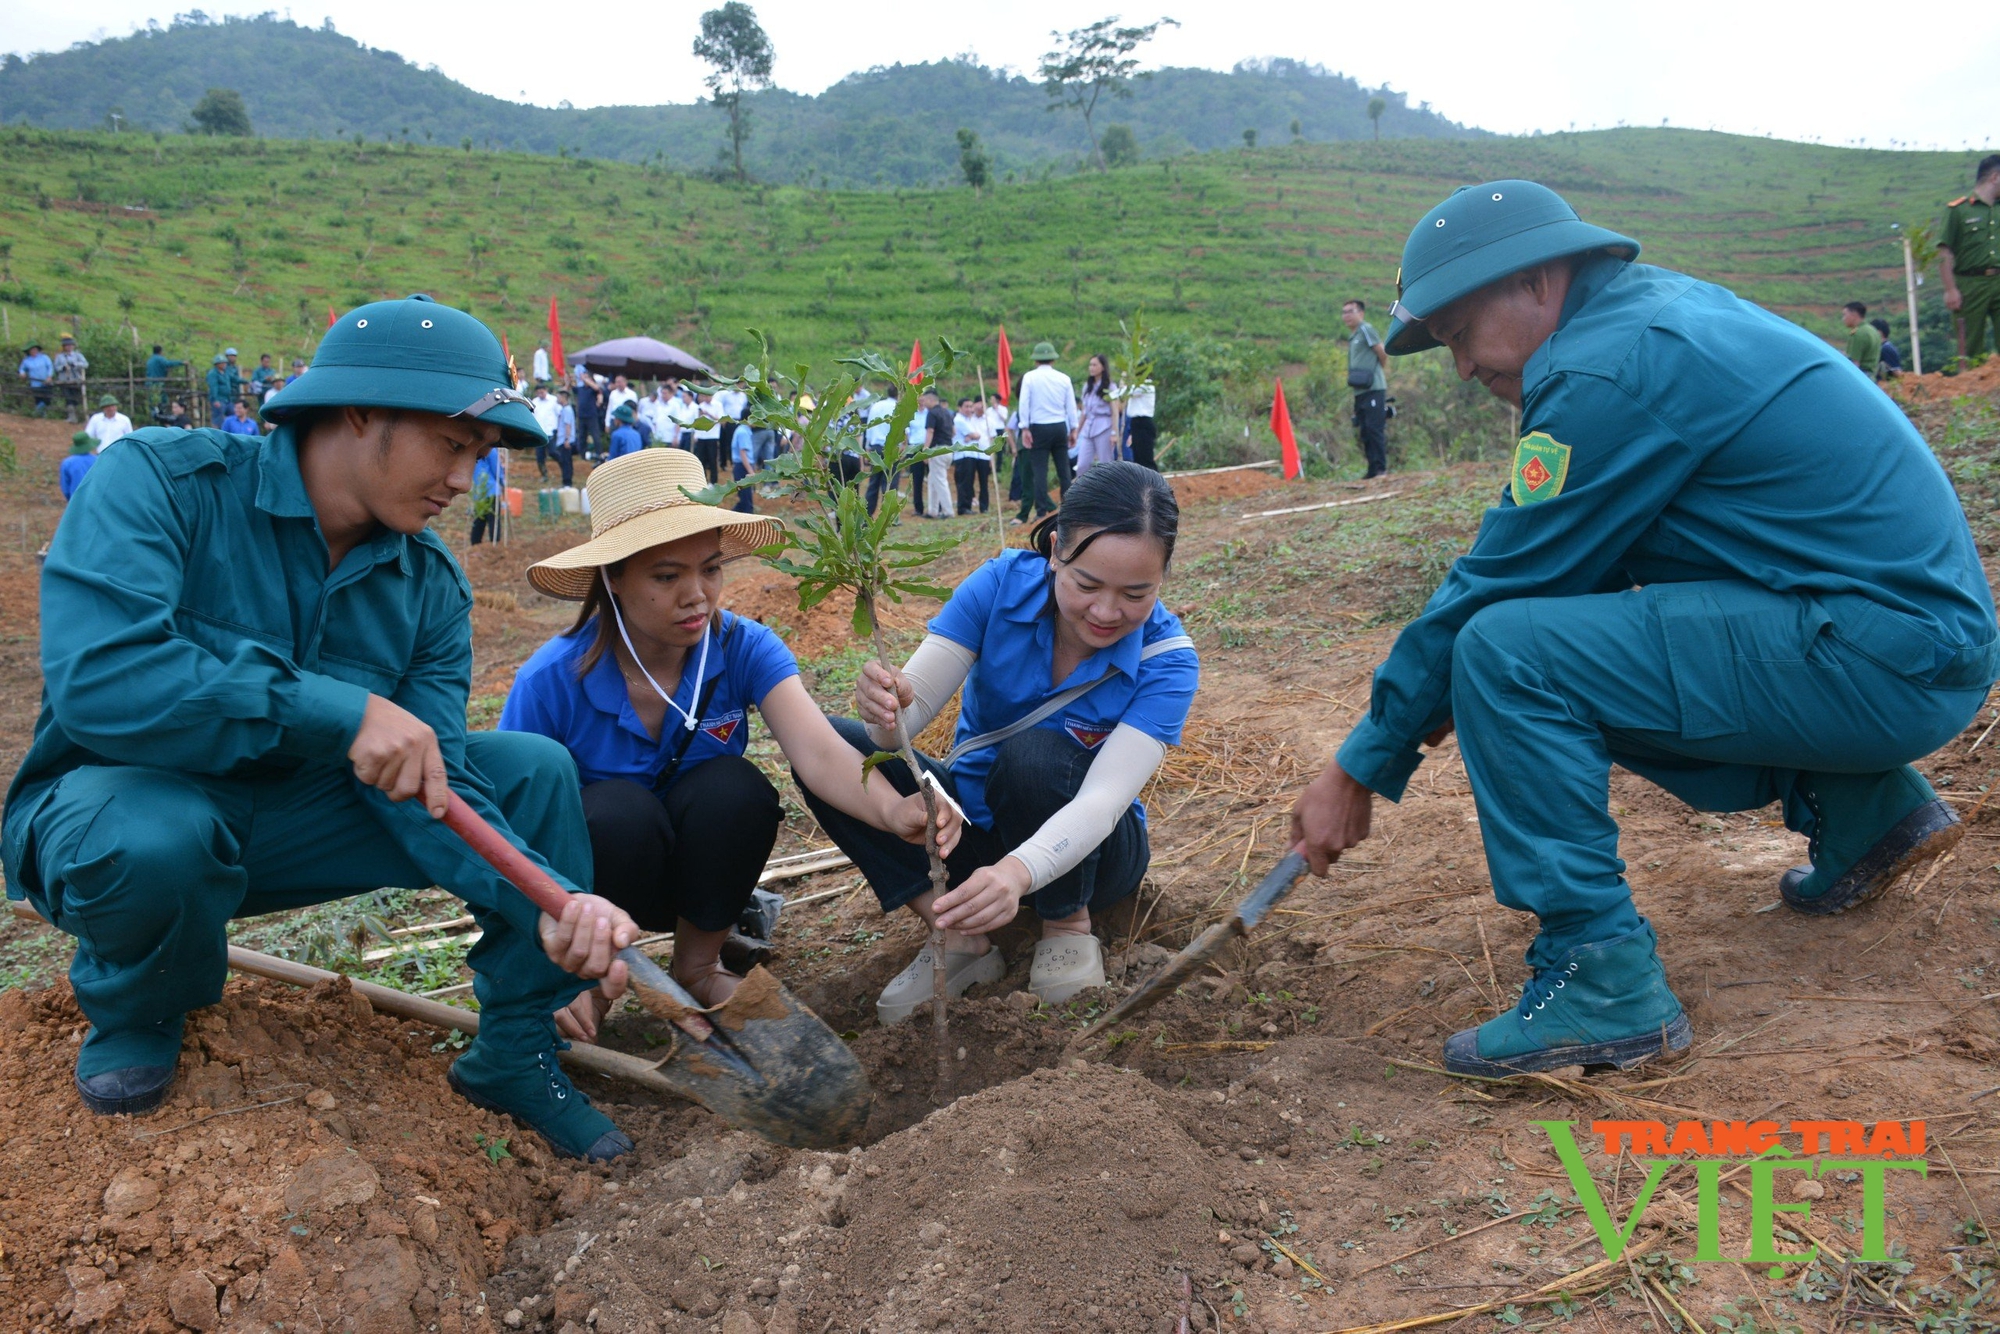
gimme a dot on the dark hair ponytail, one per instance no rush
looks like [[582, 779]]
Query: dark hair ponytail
[[1118, 498]]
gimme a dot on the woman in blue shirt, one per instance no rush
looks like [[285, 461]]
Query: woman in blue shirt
[[651, 690], [1076, 680]]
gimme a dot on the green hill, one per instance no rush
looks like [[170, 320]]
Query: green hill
[[1242, 257], [888, 126]]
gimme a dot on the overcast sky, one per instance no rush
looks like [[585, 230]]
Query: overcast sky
[[1838, 72]]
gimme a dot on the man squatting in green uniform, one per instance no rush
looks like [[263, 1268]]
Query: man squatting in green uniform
[[1969, 259], [256, 658], [1724, 561]]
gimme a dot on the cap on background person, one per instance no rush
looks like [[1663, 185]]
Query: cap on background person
[[219, 358], [1044, 352], [1479, 235], [228, 351], [415, 354], [623, 412], [68, 340], [81, 443]]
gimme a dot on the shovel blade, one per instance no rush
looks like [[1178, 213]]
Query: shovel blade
[[772, 1066]]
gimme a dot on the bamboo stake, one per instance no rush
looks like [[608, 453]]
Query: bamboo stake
[[1591, 1278], [940, 1022]]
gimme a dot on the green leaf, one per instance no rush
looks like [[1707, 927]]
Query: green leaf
[[875, 761], [864, 624]]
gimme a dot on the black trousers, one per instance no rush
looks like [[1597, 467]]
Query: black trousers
[[920, 476], [880, 482], [482, 524], [710, 454], [589, 423], [1143, 440], [1050, 439], [1034, 775], [695, 852], [1371, 428], [965, 472]]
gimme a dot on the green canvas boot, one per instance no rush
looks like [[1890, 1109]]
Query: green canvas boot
[[1868, 830], [1606, 1003], [529, 1085]]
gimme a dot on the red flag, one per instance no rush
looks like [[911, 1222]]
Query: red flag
[[555, 340], [331, 318], [1006, 366], [1281, 426], [916, 359], [506, 351]]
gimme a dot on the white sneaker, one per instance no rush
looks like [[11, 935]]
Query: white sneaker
[[912, 987], [1065, 965]]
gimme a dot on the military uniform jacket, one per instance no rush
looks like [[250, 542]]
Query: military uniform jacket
[[1676, 433], [1968, 233], [189, 622]]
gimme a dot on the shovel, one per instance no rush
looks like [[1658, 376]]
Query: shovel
[[760, 1060], [1206, 945]]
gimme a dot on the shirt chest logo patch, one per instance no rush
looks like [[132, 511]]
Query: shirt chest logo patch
[[1541, 466], [723, 728], [1086, 734]]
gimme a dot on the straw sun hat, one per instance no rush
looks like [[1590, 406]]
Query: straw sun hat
[[640, 501]]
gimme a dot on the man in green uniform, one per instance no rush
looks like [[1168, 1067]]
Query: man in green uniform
[[1724, 562], [256, 657], [1864, 340], [1969, 259]]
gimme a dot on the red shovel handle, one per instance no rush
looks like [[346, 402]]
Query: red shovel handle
[[504, 857]]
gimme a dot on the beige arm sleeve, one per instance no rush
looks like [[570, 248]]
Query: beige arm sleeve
[[935, 671], [1120, 771]]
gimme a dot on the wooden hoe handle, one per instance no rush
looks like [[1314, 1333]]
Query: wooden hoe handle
[[504, 857]]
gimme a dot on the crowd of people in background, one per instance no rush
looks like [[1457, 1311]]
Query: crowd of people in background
[[1054, 425]]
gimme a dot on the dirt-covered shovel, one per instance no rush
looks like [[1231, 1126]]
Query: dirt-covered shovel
[[761, 1061], [1206, 945]]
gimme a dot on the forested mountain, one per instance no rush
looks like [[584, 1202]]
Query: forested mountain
[[885, 126]]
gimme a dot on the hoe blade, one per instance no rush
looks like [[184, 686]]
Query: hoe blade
[[761, 1060]]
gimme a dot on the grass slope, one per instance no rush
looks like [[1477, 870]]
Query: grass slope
[[201, 242], [893, 125]]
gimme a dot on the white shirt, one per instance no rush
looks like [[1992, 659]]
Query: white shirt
[[971, 441], [105, 429], [617, 396], [996, 423], [732, 403], [682, 411], [657, 413], [711, 410], [546, 408], [1047, 397], [541, 363], [1139, 400]]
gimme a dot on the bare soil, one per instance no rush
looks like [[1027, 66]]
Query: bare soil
[[1270, 1134]]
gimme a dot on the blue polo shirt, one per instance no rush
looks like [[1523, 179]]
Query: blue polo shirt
[[998, 614], [626, 440], [593, 717]]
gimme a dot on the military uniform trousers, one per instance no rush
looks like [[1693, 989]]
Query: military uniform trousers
[[1719, 692], [146, 866], [1979, 306]]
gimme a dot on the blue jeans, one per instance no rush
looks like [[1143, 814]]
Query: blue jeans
[[1034, 775]]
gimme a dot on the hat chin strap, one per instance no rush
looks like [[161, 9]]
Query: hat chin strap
[[701, 665]]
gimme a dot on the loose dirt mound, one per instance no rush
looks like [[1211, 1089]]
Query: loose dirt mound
[[981, 1217], [311, 1171]]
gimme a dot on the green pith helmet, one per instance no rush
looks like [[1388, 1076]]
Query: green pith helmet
[[81, 443], [414, 354], [1478, 236], [1043, 352]]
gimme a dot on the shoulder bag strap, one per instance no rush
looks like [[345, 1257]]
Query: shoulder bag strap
[[1057, 702]]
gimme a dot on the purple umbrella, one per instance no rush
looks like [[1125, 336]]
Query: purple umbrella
[[642, 358]]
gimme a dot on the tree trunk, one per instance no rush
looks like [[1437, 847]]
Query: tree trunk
[[736, 132], [939, 1020]]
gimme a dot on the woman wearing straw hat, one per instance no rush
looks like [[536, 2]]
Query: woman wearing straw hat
[[651, 690]]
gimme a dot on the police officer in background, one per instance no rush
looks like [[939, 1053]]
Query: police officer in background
[[1371, 387], [1969, 259], [1725, 562]]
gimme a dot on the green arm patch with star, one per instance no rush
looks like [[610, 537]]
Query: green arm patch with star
[[1541, 465]]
